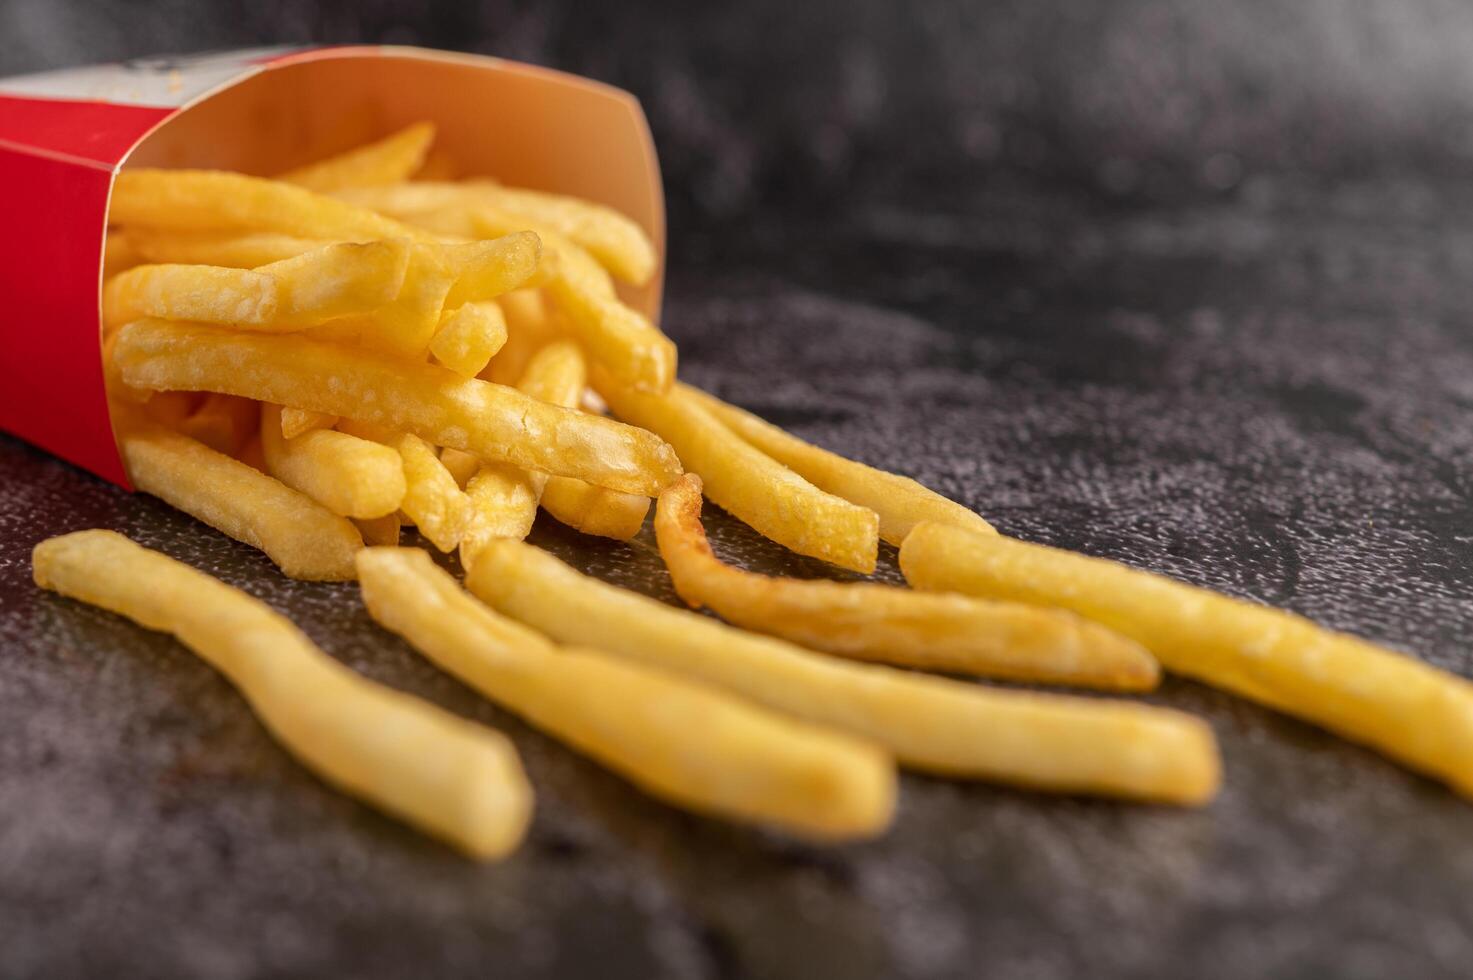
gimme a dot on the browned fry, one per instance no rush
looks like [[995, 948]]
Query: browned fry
[[885, 624]]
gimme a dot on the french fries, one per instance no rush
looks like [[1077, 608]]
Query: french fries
[[348, 475], [1047, 742], [231, 248], [387, 161], [890, 625], [192, 292], [503, 498], [684, 743], [1412, 712], [432, 499], [619, 244], [214, 200], [305, 539], [496, 423], [900, 502], [455, 780], [766, 495]]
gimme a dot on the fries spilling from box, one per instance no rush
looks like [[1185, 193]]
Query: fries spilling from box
[[313, 328]]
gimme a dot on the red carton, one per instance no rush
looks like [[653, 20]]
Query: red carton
[[65, 135]]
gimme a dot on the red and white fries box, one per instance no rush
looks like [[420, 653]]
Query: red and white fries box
[[64, 135]]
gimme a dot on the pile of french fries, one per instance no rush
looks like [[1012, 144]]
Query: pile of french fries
[[312, 362]]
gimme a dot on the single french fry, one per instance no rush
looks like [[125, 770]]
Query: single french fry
[[206, 294], [504, 499], [304, 539], [1406, 709], [233, 249], [387, 161], [594, 510], [225, 423], [885, 624], [495, 423], [619, 244], [682, 742], [488, 269], [295, 421], [900, 502], [461, 465], [469, 336], [621, 341], [216, 200], [747, 483], [1049, 742], [379, 531], [339, 280], [453, 779], [349, 476], [433, 501]]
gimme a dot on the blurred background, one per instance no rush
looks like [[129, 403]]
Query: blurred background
[[813, 106]]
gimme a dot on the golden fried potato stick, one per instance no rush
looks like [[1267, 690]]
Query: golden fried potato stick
[[619, 244], [345, 279], [495, 423], [203, 293], [742, 480], [1406, 709], [579, 266], [304, 539], [295, 421], [391, 160], [453, 779], [379, 531], [885, 624], [488, 269], [349, 476], [682, 742], [1045, 741], [432, 499], [469, 336], [620, 340], [217, 200], [901, 502], [503, 498], [594, 510], [232, 249], [223, 422]]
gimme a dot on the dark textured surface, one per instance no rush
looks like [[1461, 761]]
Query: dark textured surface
[[1174, 281], [1264, 397]]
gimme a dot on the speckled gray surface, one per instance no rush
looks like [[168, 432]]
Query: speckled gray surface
[[1265, 396]]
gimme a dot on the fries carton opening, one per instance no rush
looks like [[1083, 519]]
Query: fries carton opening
[[482, 177]]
